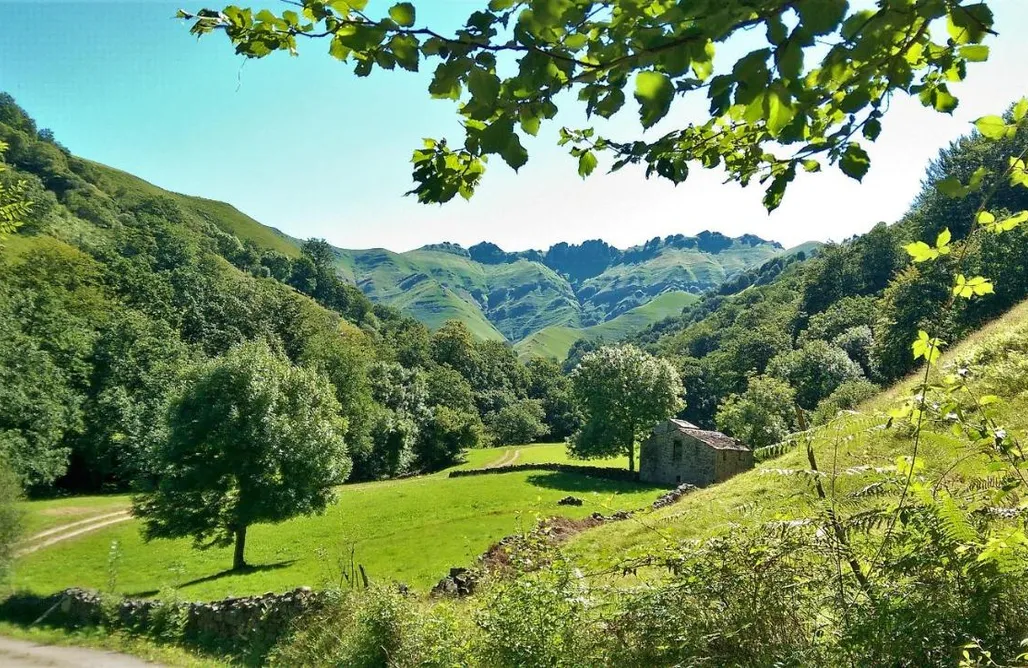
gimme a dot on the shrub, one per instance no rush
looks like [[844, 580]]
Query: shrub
[[518, 422]]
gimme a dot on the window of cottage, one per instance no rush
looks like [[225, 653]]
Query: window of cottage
[[676, 451]]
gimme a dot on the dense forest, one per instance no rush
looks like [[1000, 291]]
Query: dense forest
[[113, 288]]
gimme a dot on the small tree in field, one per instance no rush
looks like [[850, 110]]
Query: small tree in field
[[623, 392], [252, 438]]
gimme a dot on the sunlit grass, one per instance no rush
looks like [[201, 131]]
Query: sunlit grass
[[411, 530]]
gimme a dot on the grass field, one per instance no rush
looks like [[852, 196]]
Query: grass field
[[411, 530]]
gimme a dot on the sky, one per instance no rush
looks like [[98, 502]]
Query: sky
[[303, 145]]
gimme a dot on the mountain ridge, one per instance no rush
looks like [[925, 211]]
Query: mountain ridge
[[518, 294]]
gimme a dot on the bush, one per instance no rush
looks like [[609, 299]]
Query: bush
[[846, 397], [377, 627], [516, 423], [762, 415], [814, 371]]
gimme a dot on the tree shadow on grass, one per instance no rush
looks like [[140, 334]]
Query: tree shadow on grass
[[217, 576], [584, 484]]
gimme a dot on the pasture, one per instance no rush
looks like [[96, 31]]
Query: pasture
[[410, 530]]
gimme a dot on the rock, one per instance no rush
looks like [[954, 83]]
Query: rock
[[674, 495]]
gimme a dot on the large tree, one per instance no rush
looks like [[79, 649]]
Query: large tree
[[623, 392], [252, 438], [812, 83]]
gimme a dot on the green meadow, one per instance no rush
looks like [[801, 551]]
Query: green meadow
[[409, 530]]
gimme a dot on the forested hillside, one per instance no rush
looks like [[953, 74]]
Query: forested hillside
[[827, 333], [576, 286], [113, 289]]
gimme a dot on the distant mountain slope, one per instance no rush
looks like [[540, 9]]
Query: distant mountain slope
[[555, 341], [125, 186], [573, 287]]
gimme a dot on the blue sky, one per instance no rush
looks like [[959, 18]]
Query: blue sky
[[301, 144]]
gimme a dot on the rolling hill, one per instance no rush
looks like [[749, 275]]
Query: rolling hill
[[543, 301], [555, 341]]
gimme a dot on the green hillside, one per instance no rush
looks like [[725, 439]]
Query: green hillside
[[435, 304], [555, 341], [128, 188], [763, 495]]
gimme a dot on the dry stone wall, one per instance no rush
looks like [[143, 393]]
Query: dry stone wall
[[249, 620]]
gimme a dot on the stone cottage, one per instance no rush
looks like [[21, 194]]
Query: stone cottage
[[678, 451]]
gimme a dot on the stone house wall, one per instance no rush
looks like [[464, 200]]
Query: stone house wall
[[669, 456]]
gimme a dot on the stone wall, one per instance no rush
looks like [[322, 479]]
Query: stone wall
[[696, 466], [250, 621], [623, 475], [730, 462]]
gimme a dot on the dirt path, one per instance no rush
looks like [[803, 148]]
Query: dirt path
[[70, 530], [27, 654], [509, 457]]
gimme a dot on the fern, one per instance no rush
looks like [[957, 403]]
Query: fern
[[955, 523]]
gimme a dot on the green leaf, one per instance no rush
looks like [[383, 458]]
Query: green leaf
[[854, 162], [1010, 223], [1020, 109], [951, 187], [872, 128], [776, 191], [586, 163], [515, 154], [943, 239], [976, 53], [789, 57], [1018, 172], [992, 127], [820, 17], [969, 23], [484, 87], [530, 123], [778, 110], [495, 137], [927, 347], [921, 252], [654, 91], [943, 101], [403, 13], [969, 287], [405, 49]]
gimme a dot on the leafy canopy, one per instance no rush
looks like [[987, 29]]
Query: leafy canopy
[[251, 439], [814, 89], [623, 392]]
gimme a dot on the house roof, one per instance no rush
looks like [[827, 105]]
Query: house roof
[[714, 439], [682, 424]]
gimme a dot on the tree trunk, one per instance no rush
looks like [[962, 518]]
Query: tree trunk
[[238, 562], [631, 448]]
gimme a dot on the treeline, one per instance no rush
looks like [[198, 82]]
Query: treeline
[[827, 332], [113, 289]]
